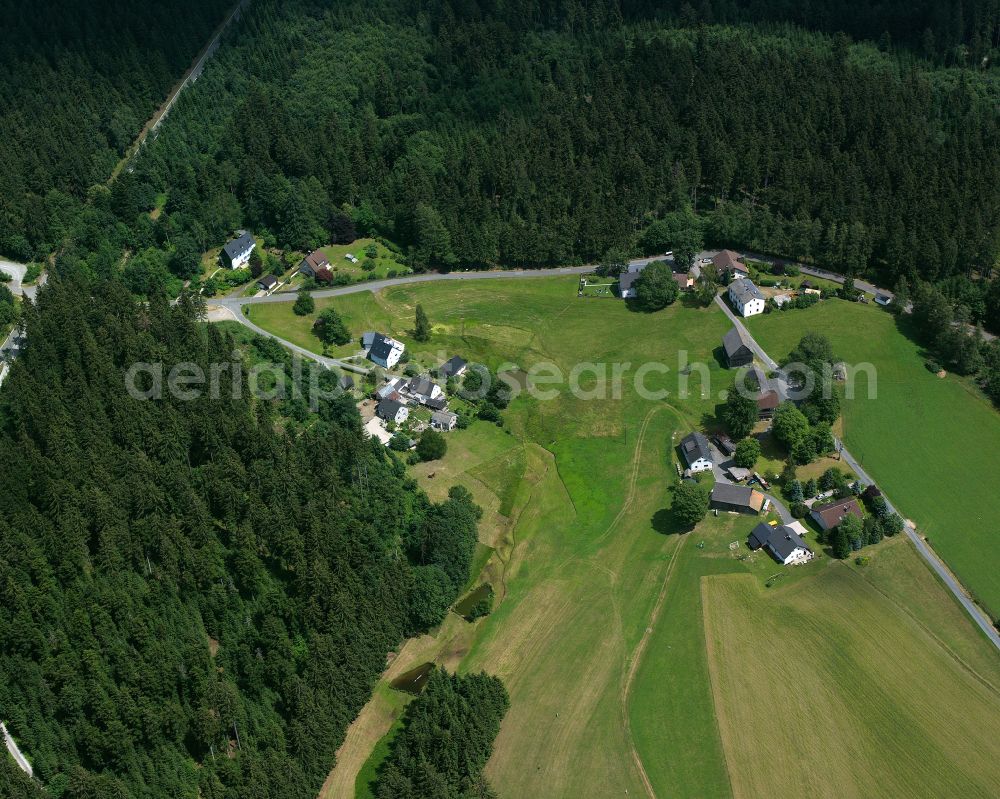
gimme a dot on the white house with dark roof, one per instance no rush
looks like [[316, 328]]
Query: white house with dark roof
[[444, 421], [423, 389], [385, 351], [746, 297], [696, 452], [236, 253], [453, 367], [392, 411], [783, 542]]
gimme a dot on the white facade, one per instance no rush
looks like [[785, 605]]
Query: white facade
[[746, 298], [386, 351], [701, 465]]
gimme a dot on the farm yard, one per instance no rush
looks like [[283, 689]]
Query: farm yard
[[930, 443], [618, 636]]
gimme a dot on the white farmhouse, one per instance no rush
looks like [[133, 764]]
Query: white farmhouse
[[746, 297], [696, 452], [385, 351], [236, 253]]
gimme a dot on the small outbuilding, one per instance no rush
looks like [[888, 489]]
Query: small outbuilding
[[783, 542], [453, 367], [444, 421], [267, 282]]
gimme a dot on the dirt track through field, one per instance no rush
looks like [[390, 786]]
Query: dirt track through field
[[633, 667]]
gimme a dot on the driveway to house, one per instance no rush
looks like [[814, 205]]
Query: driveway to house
[[719, 465]]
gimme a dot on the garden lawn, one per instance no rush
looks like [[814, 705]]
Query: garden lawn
[[932, 444], [385, 259]]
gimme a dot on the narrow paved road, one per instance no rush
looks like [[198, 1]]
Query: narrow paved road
[[17, 272], [942, 571], [15, 752], [953, 585]]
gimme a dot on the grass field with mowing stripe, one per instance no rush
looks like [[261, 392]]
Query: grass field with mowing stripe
[[931, 444], [824, 688]]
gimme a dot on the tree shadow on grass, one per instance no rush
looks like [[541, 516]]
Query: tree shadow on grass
[[665, 522]]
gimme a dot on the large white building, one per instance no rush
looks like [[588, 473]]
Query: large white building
[[236, 253], [746, 297], [384, 351]]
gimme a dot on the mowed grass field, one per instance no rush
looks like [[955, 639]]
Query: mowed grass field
[[825, 688], [932, 444], [601, 632]]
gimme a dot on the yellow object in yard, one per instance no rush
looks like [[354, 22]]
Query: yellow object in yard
[[773, 522]]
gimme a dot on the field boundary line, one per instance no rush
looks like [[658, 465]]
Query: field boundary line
[[713, 678], [934, 636], [633, 666]]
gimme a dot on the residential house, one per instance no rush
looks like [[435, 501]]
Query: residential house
[[783, 542], [391, 389], [423, 389], [268, 282], [728, 262], [626, 284], [831, 514], [736, 347], [236, 253], [684, 281], [346, 382], [385, 351], [392, 411], [313, 263], [767, 403], [444, 420], [746, 297], [738, 499], [453, 367], [696, 452]]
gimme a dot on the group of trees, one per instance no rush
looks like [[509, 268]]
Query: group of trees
[[446, 739], [945, 319], [199, 592], [655, 288]]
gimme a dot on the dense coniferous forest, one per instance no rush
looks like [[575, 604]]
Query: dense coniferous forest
[[78, 79], [446, 740], [198, 595], [507, 138]]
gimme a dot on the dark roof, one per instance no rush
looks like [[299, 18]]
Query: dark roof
[[745, 290], [725, 443], [367, 338], [781, 542], [743, 496], [346, 382], [238, 245], [734, 341], [806, 284], [831, 514], [626, 279], [452, 366], [759, 536], [381, 347], [388, 408], [437, 404], [268, 281], [694, 447], [420, 385]]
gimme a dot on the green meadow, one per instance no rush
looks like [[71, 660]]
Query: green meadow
[[619, 638], [932, 444]]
